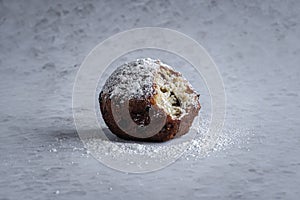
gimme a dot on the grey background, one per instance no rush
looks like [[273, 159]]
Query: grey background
[[256, 45]]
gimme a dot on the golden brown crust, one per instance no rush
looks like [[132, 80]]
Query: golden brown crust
[[139, 111]]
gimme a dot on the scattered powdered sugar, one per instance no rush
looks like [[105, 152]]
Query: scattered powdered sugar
[[193, 146], [203, 145]]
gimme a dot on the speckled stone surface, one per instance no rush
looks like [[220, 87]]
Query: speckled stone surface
[[256, 45]]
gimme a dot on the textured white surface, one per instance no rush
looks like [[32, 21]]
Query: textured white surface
[[256, 46], [132, 80]]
